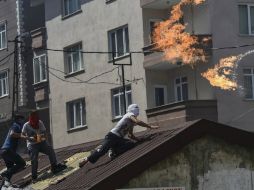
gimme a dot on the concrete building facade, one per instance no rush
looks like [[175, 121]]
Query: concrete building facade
[[85, 94], [16, 19]]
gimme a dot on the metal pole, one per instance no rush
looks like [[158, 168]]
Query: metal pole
[[124, 94]]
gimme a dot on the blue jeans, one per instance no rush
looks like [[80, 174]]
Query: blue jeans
[[13, 162]]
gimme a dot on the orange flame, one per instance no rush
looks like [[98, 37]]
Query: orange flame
[[170, 36], [223, 74]]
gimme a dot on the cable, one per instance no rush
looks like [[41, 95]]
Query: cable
[[86, 81], [7, 57], [80, 82]]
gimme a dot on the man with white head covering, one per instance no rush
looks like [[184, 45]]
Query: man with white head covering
[[115, 140]]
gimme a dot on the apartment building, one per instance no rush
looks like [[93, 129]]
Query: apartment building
[[16, 19], [86, 97], [228, 23]]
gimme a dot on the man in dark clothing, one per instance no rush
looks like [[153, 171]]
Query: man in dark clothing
[[13, 161]]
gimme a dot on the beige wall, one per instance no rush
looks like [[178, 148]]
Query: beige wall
[[233, 109], [91, 27]]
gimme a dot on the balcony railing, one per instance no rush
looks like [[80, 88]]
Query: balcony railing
[[157, 4], [154, 57], [172, 114]]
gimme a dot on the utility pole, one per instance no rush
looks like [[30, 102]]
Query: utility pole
[[123, 78]]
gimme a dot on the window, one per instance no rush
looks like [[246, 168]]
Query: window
[[119, 42], [181, 88], [152, 25], [118, 101], [246, 19], [3, 38], [4, 83], [74, 59], [160, 95], [76, 113], [40, 72], [71, 6], [248, 79]]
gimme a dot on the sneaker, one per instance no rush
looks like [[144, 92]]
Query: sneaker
[[111, 154], [83, 162], [58, 168]]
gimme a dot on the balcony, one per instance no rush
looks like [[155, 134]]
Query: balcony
[[154, 59], [157, 4], [39, 38], [175, 113]]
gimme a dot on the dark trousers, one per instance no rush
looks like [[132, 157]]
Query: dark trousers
[[13, 162], [44, 148], [117, 144]]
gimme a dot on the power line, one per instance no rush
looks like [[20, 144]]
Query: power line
[[80, 81], [9, 55]]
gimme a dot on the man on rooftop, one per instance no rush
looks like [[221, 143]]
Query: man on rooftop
[[115, 140]]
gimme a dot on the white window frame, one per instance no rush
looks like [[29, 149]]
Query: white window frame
[[119, 94], [70, 13], [252, 78], [165, 93], [181, 86], [126, 52], [70, 54], [72, 105], [4, 32], [249, 18], [150, 29], [6, 80], [39, 57]]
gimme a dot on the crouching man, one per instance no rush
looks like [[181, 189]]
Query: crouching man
[[114, 140], [13, 161], [37, 143]]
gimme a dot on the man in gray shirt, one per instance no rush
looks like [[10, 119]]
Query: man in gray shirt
[[115, 138], [36, 143]]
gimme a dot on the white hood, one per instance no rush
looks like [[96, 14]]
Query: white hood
[[133, 108]]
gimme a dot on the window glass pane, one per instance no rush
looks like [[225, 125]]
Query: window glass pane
[[247, 71], [43, 68], [1, 88], [2, 27], [129, 99], [116, 105], [4, 40], [122, 103], [248, 87], [71, 112], [120, 47], [127, 49], [36, 70], [83, 112], [76, 62], [178, 93], [78, 113], [159, 96], [66, 7], [252, 19], [184, 79], [178, 81], [185, 91], [243, 19], [4, 87]]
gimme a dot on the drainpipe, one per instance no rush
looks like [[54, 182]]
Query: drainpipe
[[20, 66]]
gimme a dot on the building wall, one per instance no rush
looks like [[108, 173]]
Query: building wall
[[205, 164], [8, 14], [233, 109], [90, 27]]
